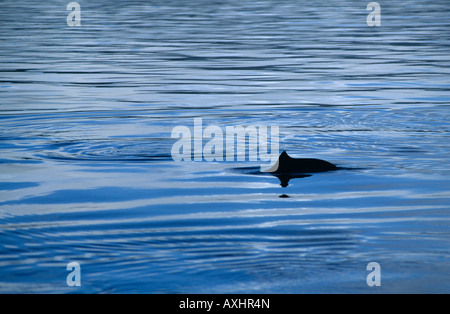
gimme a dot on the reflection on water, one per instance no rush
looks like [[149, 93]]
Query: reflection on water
[[86, 174], [285, 178]]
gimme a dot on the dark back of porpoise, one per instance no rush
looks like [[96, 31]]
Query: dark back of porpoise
[[287, 164]]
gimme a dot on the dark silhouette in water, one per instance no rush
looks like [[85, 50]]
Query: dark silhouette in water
[[289, 165], [287, 168], [285, 178]]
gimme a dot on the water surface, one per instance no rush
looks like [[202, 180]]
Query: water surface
[[86, 116]]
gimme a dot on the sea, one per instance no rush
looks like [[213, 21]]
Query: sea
[[87, 172]]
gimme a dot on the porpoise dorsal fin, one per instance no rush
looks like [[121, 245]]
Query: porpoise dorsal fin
[[275, 167]]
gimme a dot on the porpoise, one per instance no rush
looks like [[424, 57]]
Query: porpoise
[[288, 165]]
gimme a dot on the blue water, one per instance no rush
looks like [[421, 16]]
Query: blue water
[[86, 173]]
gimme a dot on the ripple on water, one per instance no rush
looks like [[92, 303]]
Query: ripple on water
[[85, 139]]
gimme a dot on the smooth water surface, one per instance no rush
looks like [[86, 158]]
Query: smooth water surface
[[86, 172]]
